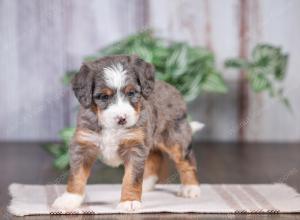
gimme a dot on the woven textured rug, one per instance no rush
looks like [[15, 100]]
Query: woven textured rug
[[215, 198]]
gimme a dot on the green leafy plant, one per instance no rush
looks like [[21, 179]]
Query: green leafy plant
[[190, 69], [265, 70]]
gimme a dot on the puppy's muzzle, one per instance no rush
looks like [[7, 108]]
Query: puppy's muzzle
[[121, 120]]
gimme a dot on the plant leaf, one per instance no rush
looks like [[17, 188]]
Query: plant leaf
[[236, 63], [214, 82], [66, 134], [259, 82], [54, 149], [68, 77], [266, 68], [62, 161]]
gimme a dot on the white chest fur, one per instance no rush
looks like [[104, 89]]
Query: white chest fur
[[109, 145]]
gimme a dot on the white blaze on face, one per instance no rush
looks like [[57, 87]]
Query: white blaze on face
[[115, 78]]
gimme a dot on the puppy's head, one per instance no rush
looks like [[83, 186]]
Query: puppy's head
[[114, 87]]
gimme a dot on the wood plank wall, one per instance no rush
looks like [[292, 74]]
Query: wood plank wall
[[40, 40]]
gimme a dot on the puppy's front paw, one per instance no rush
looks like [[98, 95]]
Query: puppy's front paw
[[129, 206], [189, 191], [68, 201]]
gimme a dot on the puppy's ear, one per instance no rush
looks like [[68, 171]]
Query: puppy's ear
[[145, 73], [82, 85]]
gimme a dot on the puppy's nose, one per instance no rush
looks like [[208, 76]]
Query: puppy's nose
[[121, 120]]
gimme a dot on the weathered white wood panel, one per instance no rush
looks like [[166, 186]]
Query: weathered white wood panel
[[276, 22], [178, 20], [32, 61]]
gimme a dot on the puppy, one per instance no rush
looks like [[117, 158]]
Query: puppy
[[127, 117]]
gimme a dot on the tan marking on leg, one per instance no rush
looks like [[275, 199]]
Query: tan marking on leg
[[80, 170], [186, 166], [78, 179], [131, 150], [131, 186], [153, 163]]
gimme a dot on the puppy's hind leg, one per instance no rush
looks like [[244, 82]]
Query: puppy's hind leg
[[187, 169], [152, 168], [186, 166]]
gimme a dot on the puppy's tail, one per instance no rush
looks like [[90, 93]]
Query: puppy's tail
[[196, 126]]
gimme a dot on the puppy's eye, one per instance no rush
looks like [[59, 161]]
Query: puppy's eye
[[131, 93], [102, 97]]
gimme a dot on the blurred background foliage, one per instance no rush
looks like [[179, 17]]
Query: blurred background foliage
[[191, 69], [265, 70]]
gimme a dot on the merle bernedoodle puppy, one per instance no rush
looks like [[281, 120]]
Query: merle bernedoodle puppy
[[127, 117]]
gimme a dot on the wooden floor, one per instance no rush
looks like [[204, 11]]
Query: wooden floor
[[217, 163]]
